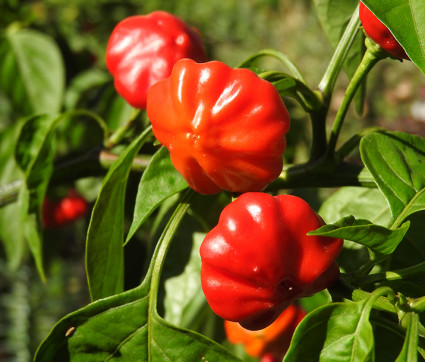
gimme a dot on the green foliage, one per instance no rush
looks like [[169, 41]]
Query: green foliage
[[133, 261]]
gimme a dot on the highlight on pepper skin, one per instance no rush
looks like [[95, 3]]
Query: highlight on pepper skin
[[259, 260], [143, 49], [225, 128]]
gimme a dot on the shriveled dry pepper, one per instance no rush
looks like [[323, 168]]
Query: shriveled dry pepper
[[380, 34], [259, 259], [271, 342], [142, 50], [225, 128]]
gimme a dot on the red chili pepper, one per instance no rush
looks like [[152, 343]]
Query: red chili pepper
[[270, 343], [380, 34], [259, 259], [142, 50], [57, 213], [225, 128]]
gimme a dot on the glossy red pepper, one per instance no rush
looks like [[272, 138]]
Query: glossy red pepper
[[57, 213], [380, 34], [225, 128], [259, 259], [272, 342], [142, 50]]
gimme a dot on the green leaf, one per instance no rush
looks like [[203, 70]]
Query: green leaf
[[334, 16], [183, 293], [120, 328], [82, 84], [397, 163], [406, 20], [104, 246], [334, 332], [34, 153], [409, 351], [159, 181], [252, 61], [379, 239], [31, 71], [361, 202], [11, 234]]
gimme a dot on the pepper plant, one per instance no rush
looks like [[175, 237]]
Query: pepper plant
[[198, 170]]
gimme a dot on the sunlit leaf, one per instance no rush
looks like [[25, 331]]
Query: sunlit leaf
[[397, 162], [379, 239], [334, 332]]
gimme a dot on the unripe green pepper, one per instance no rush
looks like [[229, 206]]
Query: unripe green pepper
[[259, 259]]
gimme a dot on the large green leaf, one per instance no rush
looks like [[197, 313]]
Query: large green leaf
[[124, 328], [361, 202], [406, 20], [31, 71], [334, 332], [159, 181], [127, 326], [397, 162], [380, 240], [105, 237]]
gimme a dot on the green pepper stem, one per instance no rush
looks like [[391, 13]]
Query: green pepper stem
[[328, 81], [412, 271], [372, 55]]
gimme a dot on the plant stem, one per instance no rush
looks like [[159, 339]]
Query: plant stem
[[328, 81], [415, 270], [382, 303], [93, 163], [120, 133], [311, 175], [163, 246], [293, 69], [373, 54]]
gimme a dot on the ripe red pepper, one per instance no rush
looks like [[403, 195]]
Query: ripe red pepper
[[142, 49], [272, 342], [225, 128], [57, 213], [380, 34], [259, 259]]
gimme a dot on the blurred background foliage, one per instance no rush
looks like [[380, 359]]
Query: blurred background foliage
[[232, 30]]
